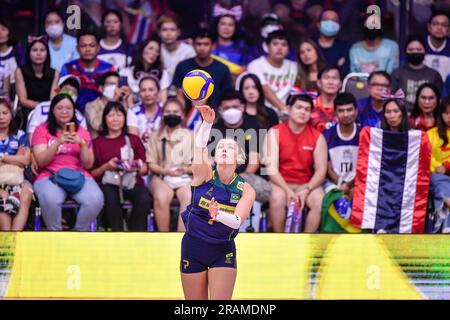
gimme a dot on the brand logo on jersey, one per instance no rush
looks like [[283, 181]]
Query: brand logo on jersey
[[204, 203], [308, 148], [14, 144], [209, 193], [240, 185], [228, 258], [234, 198]]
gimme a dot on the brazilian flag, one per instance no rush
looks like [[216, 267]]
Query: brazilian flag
[[333, 221]]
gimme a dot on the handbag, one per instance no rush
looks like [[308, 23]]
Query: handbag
[[11, 174], [72, 181], [122, 179]]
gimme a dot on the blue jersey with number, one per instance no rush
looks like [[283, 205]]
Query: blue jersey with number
[[196, 217]]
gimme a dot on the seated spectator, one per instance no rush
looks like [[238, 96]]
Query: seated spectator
[[35, 81], [108, 85], [235, 124], [395, 116], [370, 109], [228, 46], [438, 44], [113, 153], [203, 42], [251, 89], [424, 114], [446, 90], [440, 165], [374, 53], [62, 47], [15, 191], [147, 62], [296, 157], [342, 141], [56, 148], [269, 23], [68, 84], [169, 157], [8, 53], [276, 73], [334, 50], [88, 68], [310, 62], [173, 51], [113, 47], [413, 73], [145, 117], [329, 83]]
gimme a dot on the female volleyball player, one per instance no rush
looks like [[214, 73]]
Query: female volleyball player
[[221, 201]]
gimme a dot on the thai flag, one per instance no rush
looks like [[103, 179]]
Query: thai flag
[[140, 29], [392, 179], [193, 119]]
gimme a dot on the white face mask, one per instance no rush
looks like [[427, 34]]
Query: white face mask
[[55, 30], [268, 29], [232, 116], [108, 91]]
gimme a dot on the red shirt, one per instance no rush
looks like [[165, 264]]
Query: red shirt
[[296, 153], [322, 118], [420, 124], [105, 149]]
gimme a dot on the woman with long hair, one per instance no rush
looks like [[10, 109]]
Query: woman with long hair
[[310, 62], [15, 155], [169, 156], [395, 116], [36, 81], [424, 113], [440, 166], [251, 89]]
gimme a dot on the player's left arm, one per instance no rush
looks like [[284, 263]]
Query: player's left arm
[[245, 204]]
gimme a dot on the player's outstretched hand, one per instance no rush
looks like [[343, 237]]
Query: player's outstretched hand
[[207, 113]]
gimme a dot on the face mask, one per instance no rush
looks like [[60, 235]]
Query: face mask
[[108, 92], [172, 120], [372, 34], [55, 30], [329, 28], [415, 58], [265, 31], [232, 116]]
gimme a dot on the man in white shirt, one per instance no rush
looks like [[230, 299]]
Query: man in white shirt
[[437, 48], [173, 51], [276, 73]]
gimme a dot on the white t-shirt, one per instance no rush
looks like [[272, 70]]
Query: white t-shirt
[[170, 60], [40, 114], [438, 58], [116, 54], [8, 60], [280, 80], [136, 118]]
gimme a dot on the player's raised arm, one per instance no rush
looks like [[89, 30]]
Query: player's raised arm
[[201, 167]]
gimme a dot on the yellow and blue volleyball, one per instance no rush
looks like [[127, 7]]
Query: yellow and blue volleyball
[[198, 85]]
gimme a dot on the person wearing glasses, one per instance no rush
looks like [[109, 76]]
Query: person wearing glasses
[[414, 72], [370, 109], [437, 43]]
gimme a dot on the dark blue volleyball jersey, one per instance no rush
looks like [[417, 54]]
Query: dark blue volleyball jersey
[[196, 217]]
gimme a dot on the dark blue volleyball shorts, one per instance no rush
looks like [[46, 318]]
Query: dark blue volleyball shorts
[[198, 255]]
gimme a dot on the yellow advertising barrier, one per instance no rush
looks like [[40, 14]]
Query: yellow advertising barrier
[[270, 266]]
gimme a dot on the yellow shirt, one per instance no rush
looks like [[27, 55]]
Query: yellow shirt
[[440, 155]]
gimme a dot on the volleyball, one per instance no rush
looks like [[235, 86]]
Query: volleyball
[[198, 85]]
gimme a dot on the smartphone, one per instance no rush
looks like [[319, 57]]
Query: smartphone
[[70, 127], [123, 81]]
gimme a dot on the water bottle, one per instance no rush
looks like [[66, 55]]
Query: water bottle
[[151, 221], [290, 217], [263, 222], [37, 219]]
